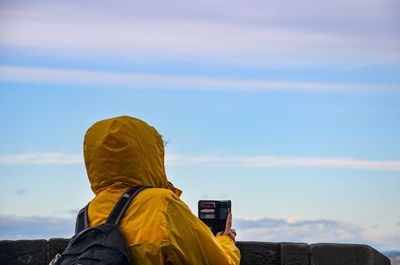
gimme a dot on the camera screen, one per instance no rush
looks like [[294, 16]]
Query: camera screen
[[214, 214], [223, 213], [207, 210]]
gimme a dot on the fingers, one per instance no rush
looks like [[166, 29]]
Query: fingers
[[228, 225], [228, 228]]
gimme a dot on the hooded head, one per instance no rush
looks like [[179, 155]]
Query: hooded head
[[123, 152]]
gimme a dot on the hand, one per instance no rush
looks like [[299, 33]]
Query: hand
[[228, 228]]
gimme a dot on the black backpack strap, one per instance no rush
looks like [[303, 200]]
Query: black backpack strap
[[119, 209], [82, 220]]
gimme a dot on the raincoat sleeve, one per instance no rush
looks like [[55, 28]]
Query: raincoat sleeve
[[192, 241]]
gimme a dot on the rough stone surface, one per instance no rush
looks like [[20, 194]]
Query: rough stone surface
[[55, 246], [345, 254], [378, 258], [23, 252], [40, 252], [295, 254], [257, 253]]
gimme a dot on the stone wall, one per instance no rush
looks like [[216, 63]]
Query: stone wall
[[40, 252]]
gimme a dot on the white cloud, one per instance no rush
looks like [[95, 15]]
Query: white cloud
[[217, 161], [309, 231], [281, 162], [193, 37], [265, 229], [312, 231], [40, 159], [34, 227], [345, 31], [114, 79]]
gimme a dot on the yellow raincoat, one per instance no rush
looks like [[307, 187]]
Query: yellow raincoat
[[159, 228]]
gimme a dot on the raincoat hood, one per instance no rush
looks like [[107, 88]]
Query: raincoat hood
[[123, 152]]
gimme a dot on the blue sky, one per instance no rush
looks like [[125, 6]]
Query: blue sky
[[290, 109]]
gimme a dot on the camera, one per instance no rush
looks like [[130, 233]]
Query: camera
[[214, 214]]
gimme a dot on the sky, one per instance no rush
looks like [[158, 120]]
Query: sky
[[290, 109]]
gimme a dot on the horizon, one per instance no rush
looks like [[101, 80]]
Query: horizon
[[290, 113]]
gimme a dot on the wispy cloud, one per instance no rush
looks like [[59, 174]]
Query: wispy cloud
[[264, 229], [312, 231], [218, 161], [191, 38], [309, 231], [113, 79], [34, 227], [40, 159], [364, 31], [281, 162], [21, 192]]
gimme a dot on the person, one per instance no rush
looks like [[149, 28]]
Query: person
[[158, 226]]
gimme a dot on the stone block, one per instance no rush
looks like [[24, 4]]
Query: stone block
[[346, 254], [295, 254], [259, 253], [40, 252], [20, 252], [377, 258], [56, 246]]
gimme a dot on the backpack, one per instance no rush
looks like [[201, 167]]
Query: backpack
[[102, 244]]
